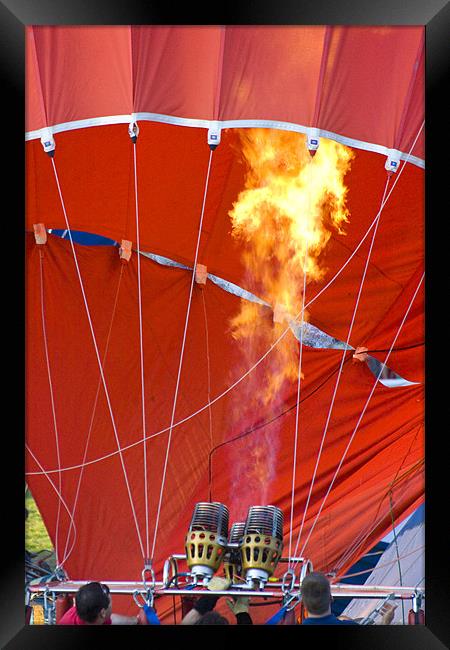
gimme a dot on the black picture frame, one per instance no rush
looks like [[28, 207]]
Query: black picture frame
[[14, 16]]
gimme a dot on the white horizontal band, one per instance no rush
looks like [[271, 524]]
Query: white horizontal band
[[225, 124]]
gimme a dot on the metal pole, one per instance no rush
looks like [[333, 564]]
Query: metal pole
[[337, 590]]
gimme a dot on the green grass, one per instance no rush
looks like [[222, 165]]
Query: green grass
[[36, 535]]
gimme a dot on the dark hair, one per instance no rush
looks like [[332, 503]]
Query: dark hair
[[90, 599], [212, 618], [316, 593]]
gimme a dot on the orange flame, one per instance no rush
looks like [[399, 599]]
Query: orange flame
[[284, 217]]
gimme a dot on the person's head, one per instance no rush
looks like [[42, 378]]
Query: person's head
[[316, 593], [212, 618], [93, 603]]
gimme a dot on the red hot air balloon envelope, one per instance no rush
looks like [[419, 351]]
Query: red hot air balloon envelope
[[134, 381]]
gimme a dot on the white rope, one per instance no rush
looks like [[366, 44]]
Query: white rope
[[250, 370], [344, 353], [52, 399], [383, 203], [361, 416], [181, 357], [141, 349], [294, 462], [98, 357], [297, 409], [91, 424], [60, 500], [208, 369]]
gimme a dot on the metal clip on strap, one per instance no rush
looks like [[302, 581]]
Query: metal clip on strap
[[292, 602], [148, 599], [136, 595]]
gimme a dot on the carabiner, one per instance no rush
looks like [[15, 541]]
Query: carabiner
[[148, 600], [136, 594], [285, 588]]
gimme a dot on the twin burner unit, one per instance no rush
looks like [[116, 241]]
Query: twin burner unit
[[251, 550]]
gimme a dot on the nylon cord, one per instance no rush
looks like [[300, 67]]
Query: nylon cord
[[294, 463], [52, 399], [180, 365], [396, 549], [141, 347], [305, 510], [266, 422], [60, 500], [360, 540], [300, 358], [209, 379], [98, 358], [361, 416], [91, 424], [383, 203], [381, 566]]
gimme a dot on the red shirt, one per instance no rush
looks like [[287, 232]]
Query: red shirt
[[71, 618]]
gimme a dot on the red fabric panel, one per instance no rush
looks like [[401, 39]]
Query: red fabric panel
[[413, 112], [34, 103], [387, 447], [176, 70], [313, 76], [84, 72], [367, 82], [408, 355], [271, 73]]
